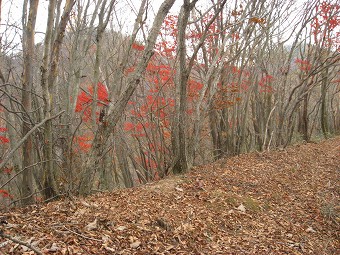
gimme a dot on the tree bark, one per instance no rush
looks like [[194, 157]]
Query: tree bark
[[27, 83], [99, 40], [49, 72]]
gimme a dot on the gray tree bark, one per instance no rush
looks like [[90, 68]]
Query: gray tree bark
[[27, 84]]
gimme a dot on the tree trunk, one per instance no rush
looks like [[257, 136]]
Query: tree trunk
[[49, 71], [181, 79], [324, 115], [305, 121], [115, 111], [99, 38], [27, 83]]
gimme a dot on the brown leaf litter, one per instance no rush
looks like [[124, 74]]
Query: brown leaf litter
[[280, 202]]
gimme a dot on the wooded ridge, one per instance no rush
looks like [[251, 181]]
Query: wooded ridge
[[97, 95]]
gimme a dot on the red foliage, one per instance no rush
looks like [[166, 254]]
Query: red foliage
[[7, 170], [264, 84], [3, 140], [138, 47], [194, 88], [304, 65], [167, 45], [85, 99], [102, 93], [5, 194], [128, 126], [84, 142], [129, 70], [325, 23]]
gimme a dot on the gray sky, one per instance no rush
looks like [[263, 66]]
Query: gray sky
[[125, 12], [12, 12]]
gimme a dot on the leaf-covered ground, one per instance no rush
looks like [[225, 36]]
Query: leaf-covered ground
[[278, 202]]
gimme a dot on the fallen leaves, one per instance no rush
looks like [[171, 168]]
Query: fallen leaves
[[279, 202], [135, 244]]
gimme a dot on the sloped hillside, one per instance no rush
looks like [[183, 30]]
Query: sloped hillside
[[279, 202]]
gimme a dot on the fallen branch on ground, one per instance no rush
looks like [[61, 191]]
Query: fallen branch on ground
[[37, 251]]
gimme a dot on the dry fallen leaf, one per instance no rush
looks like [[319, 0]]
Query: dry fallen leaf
[[241, 208], [310, 230], [92, 226], [289, 235], [169, 247], [178, 189], [121, 228], [54, 248], [135, 244]]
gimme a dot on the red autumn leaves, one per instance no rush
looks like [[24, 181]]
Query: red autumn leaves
[[85, 99], [3, 139]]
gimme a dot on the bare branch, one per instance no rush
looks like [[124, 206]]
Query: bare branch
[[10, 154]]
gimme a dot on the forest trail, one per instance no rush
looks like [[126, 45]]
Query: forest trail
[[280, 202]]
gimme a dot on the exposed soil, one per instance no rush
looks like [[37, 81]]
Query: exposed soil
[[280, 202]]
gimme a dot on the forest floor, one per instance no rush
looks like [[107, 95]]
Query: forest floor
[[285, 201]]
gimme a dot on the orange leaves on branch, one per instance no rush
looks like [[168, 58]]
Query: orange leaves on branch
[[265, 84], [194, 88], [85, 99], [227, 96], [128, 126], [102, 93], [138, 47], [129, 70], [325, 23], [84, 142], [3, 139], [304, 65], [221, 104], [137, 130], [166, 46], [235, 13], [257, 20]]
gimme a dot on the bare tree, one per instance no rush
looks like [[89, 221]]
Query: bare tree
[[28, 23], [116, 110], [49, 71]]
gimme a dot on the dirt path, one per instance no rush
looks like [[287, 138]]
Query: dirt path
[[279, 202]]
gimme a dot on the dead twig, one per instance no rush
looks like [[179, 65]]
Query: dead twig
[[37, 251], [81, 235]]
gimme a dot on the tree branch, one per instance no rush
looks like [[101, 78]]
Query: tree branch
[[10, 154]]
